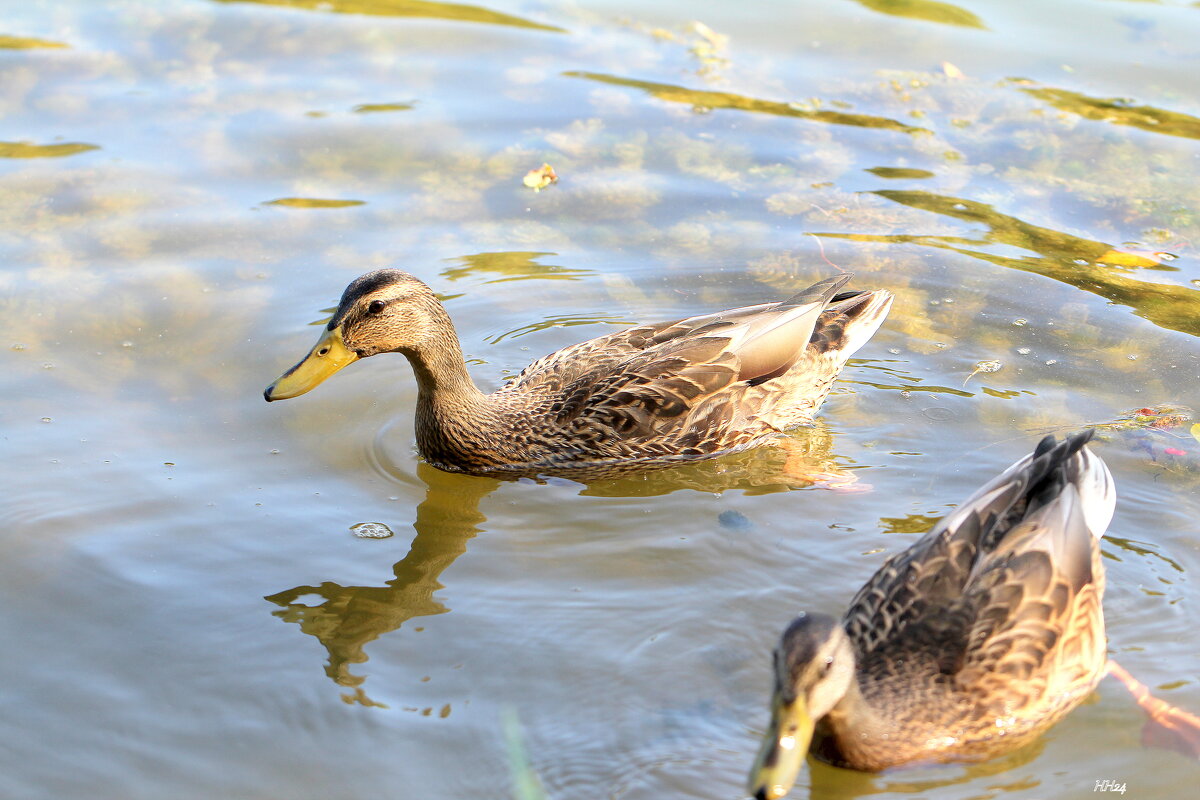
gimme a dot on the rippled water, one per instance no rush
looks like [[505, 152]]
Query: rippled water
[[193, 606]]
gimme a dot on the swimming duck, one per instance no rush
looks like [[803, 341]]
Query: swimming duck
[[646, 396], [974, 640]]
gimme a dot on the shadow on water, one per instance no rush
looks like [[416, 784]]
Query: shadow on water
[[1119, 111], [1070, 259], [835, 783], [457, 12], [701, 99], [803, 458], [352, 616], [512, 265], [927, 10]]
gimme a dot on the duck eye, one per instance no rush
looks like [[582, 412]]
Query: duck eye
[[376, 306]]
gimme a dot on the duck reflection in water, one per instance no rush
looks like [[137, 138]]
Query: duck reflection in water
[[347, 618], [352, 616]]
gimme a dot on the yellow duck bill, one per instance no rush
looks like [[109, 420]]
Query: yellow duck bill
[[784, 748], [328, 356]]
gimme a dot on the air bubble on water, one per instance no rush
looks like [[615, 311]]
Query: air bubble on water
[[46, 419], [19, 346], [1132, 357], [1023, 351], [1020, 321], [894, 351], [1052, 362], [371, 530]]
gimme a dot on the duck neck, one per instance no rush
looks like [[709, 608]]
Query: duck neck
[[451, 410], [851, 731], [443, 382]]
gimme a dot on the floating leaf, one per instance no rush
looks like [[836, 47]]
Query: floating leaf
[[984, 367], [540, 178], [1195, 431]]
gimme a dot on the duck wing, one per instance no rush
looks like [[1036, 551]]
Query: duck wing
[[993, 588], [639, 381]]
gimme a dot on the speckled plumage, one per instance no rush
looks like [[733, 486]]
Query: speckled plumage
[[643, 397], [975, 639]]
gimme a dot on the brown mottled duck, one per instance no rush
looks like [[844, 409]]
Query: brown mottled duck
[[647, 396], [970, 643]]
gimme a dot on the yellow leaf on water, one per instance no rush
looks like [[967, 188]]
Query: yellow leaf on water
[[540, 178], [1195, 430]]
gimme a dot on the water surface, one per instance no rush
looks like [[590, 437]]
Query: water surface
[[188, 185]]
